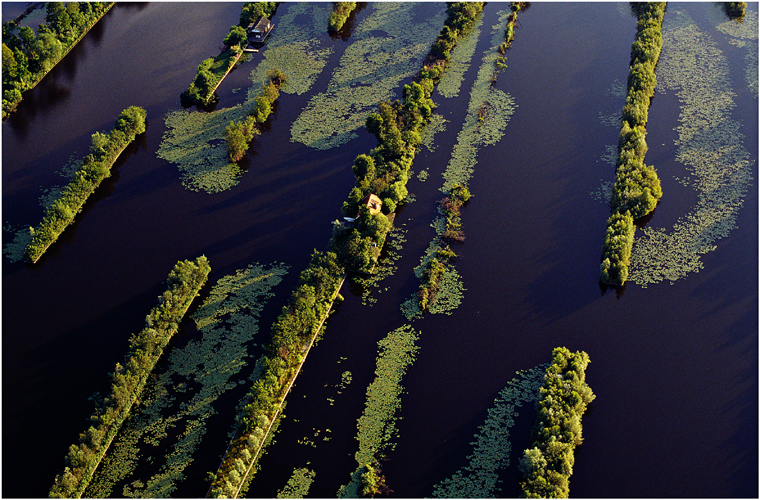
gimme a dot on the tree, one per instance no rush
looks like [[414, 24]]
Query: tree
[[237, 36], [48, 49], [27, 36], [9, 65]]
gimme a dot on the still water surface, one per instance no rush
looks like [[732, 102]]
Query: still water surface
[[674, 367]]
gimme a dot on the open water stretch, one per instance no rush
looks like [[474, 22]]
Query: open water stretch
[[673, 362]]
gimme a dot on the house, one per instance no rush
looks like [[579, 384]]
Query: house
[[373, 202], [260, 29]]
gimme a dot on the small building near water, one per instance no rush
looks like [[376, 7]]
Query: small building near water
[[260, 29], [372, 202]]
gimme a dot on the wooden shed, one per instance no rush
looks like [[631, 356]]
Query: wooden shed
[[259, 29]]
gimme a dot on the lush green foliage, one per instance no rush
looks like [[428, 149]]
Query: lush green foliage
[[637, 188], [341, 11], [213, 70], [177, 402], [710, 146], [95, 167], [388, 46], [27, 57], [735, 9], [616, 255], [548, 464], [239, 134], [128, 379], [194, 140], [492, 446], [292, 335], [252, 11]]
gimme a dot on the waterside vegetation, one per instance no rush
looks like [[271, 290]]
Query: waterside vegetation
[[128, 379], [548, 464], [384, 171], [341, 11], [28, 57], [95, 167], [293, 334], [636, 190], [212, 71], [239, 134]]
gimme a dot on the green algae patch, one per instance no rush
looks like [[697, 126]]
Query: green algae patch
[[298, 485], [709, 145], [492, 446], [194, 140], [377, 425], [388, 48], [175, 406]]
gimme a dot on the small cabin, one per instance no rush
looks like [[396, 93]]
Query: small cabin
[[260, 28], [373, 203]]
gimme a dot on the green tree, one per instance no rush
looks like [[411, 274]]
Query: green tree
[[9, 65], [237, 36], [48, 49]]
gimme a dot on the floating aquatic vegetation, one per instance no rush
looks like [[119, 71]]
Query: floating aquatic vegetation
[[488, 113], [298, 485], [197, 375], [15, 248], [194, 140], [410, 308], [744, 35], [492, 446], [386, 266], [461, 57], [609, 156], [370, 70], [437, 124], [377, 425], [450, 293], [709, 146]]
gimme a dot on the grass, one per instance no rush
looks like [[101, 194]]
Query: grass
[[492, 446], [176, 405], [709, 145]]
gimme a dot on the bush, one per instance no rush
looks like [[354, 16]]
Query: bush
[[548, 463]]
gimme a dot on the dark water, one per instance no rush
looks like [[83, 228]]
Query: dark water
[[674, 367]]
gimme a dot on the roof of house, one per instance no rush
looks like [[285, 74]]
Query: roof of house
[[373, 202], [261, 25]]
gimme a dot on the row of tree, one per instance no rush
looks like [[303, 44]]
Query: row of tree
[[548, 464], [339, 16], [28, 56], [211, 71], [128, 378], [292, 335], [637, 188], [95, 167], [239, 134], [398, 128], [385, 171]]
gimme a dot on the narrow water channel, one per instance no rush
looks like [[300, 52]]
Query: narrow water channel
[[673, 366]]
